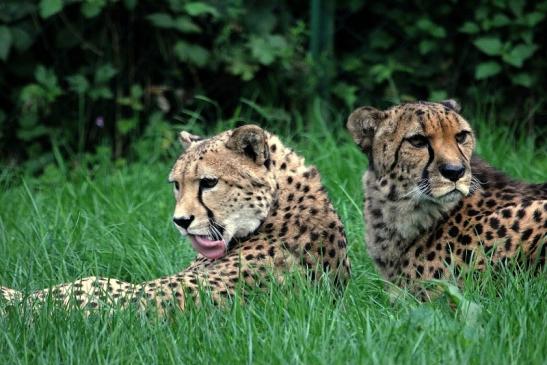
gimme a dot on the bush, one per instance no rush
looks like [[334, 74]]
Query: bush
[[77, 74]]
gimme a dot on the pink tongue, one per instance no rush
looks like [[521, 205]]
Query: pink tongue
[[211, 249]]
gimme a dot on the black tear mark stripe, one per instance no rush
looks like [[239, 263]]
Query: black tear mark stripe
[[210, 214], [425, 173], [461, 152], [396, 158]]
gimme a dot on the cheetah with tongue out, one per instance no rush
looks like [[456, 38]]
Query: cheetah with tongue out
[[431, 207], [252, 210]]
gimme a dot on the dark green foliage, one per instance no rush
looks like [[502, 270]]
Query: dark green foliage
[[78, 74]]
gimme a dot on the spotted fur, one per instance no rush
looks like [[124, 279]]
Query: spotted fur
[[431, 206], [269, 207]]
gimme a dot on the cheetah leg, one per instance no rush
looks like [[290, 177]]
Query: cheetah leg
[[89, 293], [96, 292], [218, 278], [10, 295]]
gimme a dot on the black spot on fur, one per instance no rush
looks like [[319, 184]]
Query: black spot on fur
[[464, 239], [438, 273], [467, 256], [526, 234], [502, 232], [537, 216]]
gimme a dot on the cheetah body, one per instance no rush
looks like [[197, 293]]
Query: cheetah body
[[422, 225], [267, 208]]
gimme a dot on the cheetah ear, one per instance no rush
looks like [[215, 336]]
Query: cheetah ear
[[452, 104], [362, 124], [251, 141], [186, 139]]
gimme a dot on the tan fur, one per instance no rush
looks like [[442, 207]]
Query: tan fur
[[422, 225], [274, 212]]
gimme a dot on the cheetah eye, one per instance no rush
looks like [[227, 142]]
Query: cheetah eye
[[208, 182], [418, 141], [462, 137]]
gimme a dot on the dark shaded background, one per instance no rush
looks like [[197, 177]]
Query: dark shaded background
[[95, 76]]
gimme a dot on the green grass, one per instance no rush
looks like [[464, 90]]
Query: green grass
[[114, 221]]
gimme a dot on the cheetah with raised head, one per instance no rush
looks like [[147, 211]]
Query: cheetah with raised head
[[432, 207], [252, 210]]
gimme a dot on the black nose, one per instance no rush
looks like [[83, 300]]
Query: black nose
[[183, 222], [452, 172]]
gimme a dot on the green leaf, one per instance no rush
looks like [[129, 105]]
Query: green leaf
[[136, 91], [469, 28], [92, 8], [489, 45], [191, 53], [519, 54], [15, 10], [433, 29], [28, 119], [22, 40], [30, 97], [186, 25], [198, 8], [50, 7], [105, 73], [522, 79], [266, 49], [30, 134], [130, 4], [47, 78], [101, 92], [380, 72], [126, 125], [346, 92], [176, 6], [500, 20], [488, 69], [379, 39], [5, 42], [516, 6], [241, 68], [533, 18], [426, 46], [161, 20], [78, 83]]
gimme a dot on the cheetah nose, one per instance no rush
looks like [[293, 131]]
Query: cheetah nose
[[452, 172], [183, 222]]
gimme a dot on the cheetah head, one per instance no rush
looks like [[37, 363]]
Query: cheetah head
[[419, 151], [223, 187]]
